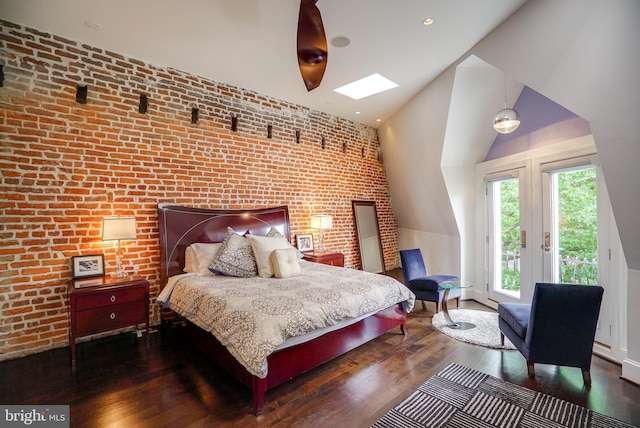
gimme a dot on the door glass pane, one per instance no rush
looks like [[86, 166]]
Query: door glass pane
[[505, 236], [576, 229]]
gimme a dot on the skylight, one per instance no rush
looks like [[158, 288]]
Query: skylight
[[366, 86]]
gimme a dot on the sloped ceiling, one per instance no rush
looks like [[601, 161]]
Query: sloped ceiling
[[252, 43], [586, 60]]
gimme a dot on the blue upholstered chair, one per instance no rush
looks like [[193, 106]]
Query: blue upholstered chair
[[425, 287], [558, 327]]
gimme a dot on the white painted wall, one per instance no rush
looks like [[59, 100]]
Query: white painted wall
[[412, 154], [582, 54], [441, 253], [631, 364]]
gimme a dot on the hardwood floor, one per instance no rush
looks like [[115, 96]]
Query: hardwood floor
[[118, 382]]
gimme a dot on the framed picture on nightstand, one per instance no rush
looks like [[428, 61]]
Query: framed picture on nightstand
[[87, 266], [304, 242]]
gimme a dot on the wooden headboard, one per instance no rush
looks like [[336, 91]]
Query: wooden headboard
[[182, 226]]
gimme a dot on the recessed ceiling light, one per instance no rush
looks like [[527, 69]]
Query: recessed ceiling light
[[357, 112], [378, 120], [340, 41], [427, 21], [366, 86], [93, 25]]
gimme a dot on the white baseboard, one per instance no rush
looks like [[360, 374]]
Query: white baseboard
[[631, 370], [471, 294], [604, 352]]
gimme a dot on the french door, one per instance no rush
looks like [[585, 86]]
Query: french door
[[570, 225], [549, 219], [576, 223]]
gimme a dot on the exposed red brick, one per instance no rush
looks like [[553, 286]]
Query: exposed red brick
[[66, 165]]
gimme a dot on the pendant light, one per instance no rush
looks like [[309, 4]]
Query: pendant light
[[506, 120]]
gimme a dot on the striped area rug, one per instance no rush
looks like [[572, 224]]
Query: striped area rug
[[461, 397]]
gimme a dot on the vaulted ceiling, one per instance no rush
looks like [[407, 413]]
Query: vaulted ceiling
[[252, 43]]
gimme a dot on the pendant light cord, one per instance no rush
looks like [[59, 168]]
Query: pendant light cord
[[505, 90]]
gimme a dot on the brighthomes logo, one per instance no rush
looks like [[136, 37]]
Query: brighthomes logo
[[37, 415], [27, 417]]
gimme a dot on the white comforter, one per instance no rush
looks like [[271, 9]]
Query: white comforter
[[253, 316]]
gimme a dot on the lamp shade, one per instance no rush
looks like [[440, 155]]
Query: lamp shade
[[321, 221], [117, 228], [506, 121]]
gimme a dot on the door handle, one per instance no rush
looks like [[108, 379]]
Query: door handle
[[547, 242]]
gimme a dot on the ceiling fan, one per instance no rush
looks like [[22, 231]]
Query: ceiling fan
[[312, 44]]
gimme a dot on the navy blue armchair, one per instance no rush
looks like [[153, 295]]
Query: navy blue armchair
[[425, 287], [558, 327]]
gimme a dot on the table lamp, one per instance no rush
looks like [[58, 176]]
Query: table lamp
[[118, 229], [321, 222]]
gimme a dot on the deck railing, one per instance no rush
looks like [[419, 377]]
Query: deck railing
[[573, 270]]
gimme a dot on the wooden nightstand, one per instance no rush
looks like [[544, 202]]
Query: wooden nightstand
[[333, 259], [105, 303]]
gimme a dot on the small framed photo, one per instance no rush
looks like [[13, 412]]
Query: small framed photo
[[304, 242], [87, 266]]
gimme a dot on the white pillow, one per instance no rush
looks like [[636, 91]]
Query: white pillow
[[275, 232], [201, 256], [188, 260], [262, 247], [285, 263]]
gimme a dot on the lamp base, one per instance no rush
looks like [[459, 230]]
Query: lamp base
[[320, 248], [119, 274]]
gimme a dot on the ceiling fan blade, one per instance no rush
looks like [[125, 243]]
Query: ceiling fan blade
[[312, 44]]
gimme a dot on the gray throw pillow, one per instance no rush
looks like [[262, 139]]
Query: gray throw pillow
[[235, 257]]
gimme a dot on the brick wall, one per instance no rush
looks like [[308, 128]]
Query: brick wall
[[65, 165]]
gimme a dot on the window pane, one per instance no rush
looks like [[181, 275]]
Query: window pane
[[577, 230], [505, 235], [510, 236]]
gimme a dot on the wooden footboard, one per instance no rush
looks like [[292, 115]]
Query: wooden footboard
[[290, 362]]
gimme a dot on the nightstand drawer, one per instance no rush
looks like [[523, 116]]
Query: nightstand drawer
[[333, 259], [107, 318], [337, 260], [108, 298]]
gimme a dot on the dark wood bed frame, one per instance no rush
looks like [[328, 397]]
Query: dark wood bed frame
[[182, 226]]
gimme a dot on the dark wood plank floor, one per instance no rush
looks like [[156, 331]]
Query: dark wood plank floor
[[120, 383]]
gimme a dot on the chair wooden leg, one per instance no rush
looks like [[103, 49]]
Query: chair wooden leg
[[586, 376], [424, 305], [531, 370], [437, 307], [458, 302], [501, 339]]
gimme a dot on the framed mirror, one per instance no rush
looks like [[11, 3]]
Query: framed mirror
[[368, 233]]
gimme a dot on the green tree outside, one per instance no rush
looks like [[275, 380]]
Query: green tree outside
[[578, 226], [578, 240]]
